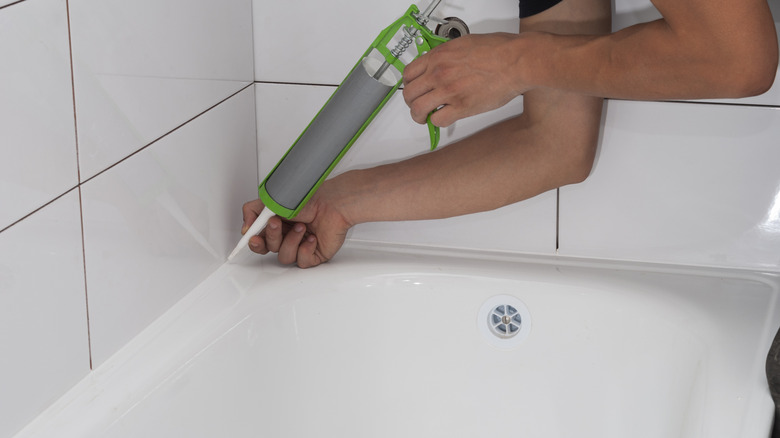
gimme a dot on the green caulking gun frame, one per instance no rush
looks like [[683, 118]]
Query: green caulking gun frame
[[347, 113]]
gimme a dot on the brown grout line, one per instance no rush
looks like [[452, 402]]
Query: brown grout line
[[11, 4], [47, 203], [557, 219], [295, 83], [78, 173], [38, 209], [86, 286], [166, 134]]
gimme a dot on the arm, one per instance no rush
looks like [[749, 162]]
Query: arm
[[552, 143], [699, 49]]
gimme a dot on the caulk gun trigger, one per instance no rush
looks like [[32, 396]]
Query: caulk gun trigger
[[433, 131]]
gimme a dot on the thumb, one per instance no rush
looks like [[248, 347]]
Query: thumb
[[251, 211]]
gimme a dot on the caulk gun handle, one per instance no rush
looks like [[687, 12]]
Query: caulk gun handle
[[433, 131]]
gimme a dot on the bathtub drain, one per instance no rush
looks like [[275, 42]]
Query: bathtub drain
[[504, 321]]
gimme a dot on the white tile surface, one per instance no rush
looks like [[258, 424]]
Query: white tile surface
[[43, 321], [680, 183], [324, 40], [144, 67], [38, 152], [630, 12], [285, 110], [161, 221]]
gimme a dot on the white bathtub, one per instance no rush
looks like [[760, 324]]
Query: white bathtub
[[392, 343]]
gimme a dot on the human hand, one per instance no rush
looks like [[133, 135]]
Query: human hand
[[312, 238], [463, 77]]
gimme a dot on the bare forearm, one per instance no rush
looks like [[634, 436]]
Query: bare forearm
[[542, 149], [685, 55]]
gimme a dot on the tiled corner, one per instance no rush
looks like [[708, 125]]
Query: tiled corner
[[529, 226], [141, 68], [36, 108], [324, 40], [692, 184], [161, 221], [43, 318]]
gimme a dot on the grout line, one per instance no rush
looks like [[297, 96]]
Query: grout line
[[254, 97], [557, 220], [86, 286], [704, 102], [257, 139], [38, 209], [166, 134], [11, 4], [747, 105], [252, 20], [295, 83], [78, 173]]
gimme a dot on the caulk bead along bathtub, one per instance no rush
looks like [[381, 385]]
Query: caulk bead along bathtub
[[390, 341]]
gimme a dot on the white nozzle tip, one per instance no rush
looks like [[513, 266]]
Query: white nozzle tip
[[234, 253], [253, 230]]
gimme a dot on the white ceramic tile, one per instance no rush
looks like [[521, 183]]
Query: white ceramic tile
[[630, 12], [324, 40], [285, 110], [144, 67], [680, 183], [38, 152], [43, 321], [160, 222]]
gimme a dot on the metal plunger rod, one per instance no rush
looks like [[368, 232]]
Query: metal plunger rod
[[382, 69], [401, 47], [429, 10]]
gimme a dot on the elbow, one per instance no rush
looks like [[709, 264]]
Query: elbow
[[581, 170], [753, 67], [579, 161], [756, 78]]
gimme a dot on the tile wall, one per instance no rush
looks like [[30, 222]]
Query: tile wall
[[126, 152], [695, 183]]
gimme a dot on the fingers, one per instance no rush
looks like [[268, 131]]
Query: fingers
[[435, 103], [428, 89], [414, 69], [445, 116], [418, 96], [292, 243], [251, 210], [422, 105], [307, 253], [274, 234], [288, 248], [270, 239]]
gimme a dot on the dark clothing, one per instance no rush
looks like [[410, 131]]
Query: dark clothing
[[532, 7], [773, 378]]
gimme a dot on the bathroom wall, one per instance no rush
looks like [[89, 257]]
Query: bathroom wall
[[694, 183], [127, 147]]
